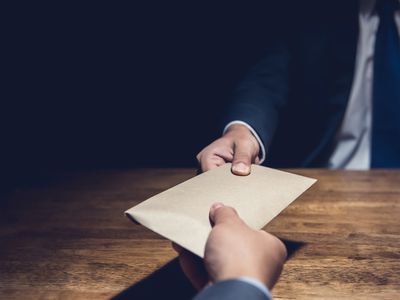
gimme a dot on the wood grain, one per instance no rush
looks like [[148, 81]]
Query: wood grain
[[69, 239]]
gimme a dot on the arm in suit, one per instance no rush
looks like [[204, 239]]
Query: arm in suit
[[256, 105], [232, 289], [262, 93]]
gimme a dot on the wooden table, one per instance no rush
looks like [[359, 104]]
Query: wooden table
[[69, 239]]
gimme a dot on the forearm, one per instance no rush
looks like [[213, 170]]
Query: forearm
[[262, 93]]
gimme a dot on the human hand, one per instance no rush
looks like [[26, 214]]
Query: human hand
[[238, 145], [234, 250]]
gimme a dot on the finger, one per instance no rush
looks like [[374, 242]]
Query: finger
[[225, 153], [219, 213], [211, 163], [193, 267], [242, 158], [215, 159], [177, 248]]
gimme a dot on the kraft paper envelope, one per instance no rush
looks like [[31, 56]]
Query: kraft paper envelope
[[181, 213]]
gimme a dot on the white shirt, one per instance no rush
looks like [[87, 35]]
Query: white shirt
[[353, 142], [352, 149]]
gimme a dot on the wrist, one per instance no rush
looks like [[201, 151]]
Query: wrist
[[246, 268], [241, 127], [241, 274], [237, 128], [239, 132]]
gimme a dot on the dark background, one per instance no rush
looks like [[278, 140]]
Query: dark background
[[112, 85]]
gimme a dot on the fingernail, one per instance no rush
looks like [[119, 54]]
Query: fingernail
[[241, 168], [216, 205]]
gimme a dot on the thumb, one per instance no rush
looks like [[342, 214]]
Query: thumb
[[242, 159], [219, 213]]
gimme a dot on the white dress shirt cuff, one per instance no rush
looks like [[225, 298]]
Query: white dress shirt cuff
[[262, 148], [254, 282]]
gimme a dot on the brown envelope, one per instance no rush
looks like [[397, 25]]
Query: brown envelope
[[181, 213]]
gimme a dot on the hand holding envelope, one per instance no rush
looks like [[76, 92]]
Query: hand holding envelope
[[181, 213], [234, 250]]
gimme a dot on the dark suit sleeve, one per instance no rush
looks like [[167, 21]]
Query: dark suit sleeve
[[232, 290], [262, 93]]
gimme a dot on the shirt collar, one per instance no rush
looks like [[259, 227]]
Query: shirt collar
[[367, 7]]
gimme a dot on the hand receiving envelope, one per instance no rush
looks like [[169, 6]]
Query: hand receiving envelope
[[181, 213]]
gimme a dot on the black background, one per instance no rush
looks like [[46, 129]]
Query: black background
[[112, 85]]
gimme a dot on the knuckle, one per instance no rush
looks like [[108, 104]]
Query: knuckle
[[198, 157], [233, 210]]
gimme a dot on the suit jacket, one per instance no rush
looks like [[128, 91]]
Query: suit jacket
[[232, 290], [296, 96]]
